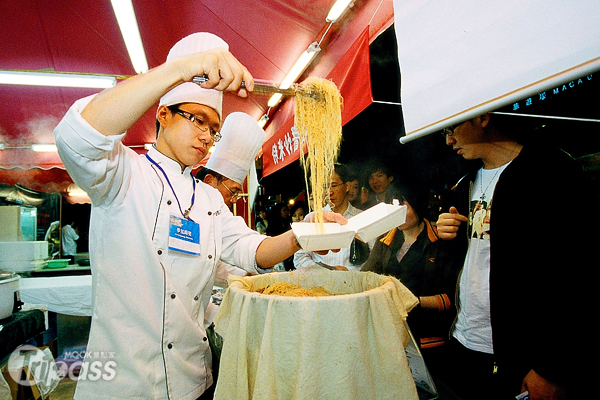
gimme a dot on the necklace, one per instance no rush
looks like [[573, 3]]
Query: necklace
[[483, 192], [498, 170]]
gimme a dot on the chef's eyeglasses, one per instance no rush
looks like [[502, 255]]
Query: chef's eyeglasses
[[234, 196], [198, 123]]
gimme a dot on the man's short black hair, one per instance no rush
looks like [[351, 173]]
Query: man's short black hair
[[202, 172]]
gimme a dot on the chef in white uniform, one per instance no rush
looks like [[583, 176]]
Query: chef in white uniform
[[227, 168], [156, 234]]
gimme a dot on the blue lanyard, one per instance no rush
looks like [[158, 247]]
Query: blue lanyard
[[187, 212]]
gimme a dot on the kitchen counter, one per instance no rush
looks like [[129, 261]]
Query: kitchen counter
[[70, 295]]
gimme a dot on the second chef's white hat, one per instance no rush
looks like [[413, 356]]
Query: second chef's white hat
[[189, 92], [234, 154]]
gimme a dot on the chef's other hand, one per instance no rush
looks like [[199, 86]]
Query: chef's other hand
[[223, 70], [340, 268], [448, 223], [328, 216]]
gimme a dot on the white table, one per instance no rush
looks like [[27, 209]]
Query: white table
[[69, 295]]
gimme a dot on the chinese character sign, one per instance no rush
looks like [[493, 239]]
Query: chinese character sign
[[284, 149]]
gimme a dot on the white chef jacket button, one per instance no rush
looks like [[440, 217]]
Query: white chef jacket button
[[173, 295], [169, 202], [170, 345], [210, 256], [209, 213], [205, 338], [196, 298], [159, 252]]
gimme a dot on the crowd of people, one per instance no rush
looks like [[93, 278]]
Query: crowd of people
[[482, 324], [495, 315]]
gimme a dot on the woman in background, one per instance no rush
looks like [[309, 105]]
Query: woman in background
[[409, 253], [298, 211], [262, 223]]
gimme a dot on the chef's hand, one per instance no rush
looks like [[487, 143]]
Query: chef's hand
[[223, 70], [340, 268], [328, 216], [448, 223]]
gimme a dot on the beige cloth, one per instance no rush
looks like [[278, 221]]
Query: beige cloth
[[335, 347]]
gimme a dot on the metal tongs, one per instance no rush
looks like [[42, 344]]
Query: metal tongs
[[322, 264], [265, 87]]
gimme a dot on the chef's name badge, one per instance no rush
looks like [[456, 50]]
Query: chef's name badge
[[184, 235]]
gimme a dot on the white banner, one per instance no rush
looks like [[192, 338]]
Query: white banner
[[459, 59]]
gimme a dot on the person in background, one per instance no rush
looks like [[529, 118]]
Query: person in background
[[523, 297], [354, 189], [358, 194], [227, 168], [226, 171], [298, 211], [232, 158], [338, 203], [279, 220], [262, 222], [157, 235], [409, 253], [70, 235], [380, 183]]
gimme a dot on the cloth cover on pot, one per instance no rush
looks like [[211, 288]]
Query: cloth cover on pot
[[350, 346]]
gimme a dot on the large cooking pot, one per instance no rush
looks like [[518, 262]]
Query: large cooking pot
[[349, 346], [9, 294]]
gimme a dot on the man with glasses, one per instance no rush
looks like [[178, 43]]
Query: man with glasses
[[232, 158], [226, 171], [338, 203], [521, 296], [156, 234]]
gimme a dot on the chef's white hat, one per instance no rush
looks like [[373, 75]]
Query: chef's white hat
[[189, 92], [234, 154]]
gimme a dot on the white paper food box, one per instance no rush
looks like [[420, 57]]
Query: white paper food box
[[365, 226]]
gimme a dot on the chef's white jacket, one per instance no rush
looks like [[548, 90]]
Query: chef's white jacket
[[147, 338]]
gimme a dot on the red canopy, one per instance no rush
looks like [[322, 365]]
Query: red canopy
[[83, 36], [351, 75]]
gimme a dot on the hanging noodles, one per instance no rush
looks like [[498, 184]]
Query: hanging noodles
[[318, 118]]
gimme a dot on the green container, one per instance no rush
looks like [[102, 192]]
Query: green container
[[60, 263]]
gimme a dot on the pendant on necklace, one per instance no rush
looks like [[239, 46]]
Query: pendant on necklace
[[482, 196]]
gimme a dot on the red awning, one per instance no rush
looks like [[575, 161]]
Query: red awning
[[352, 76], [82, 36]]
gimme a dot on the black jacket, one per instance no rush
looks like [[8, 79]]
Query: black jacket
[[423, 275], [540, 249]]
